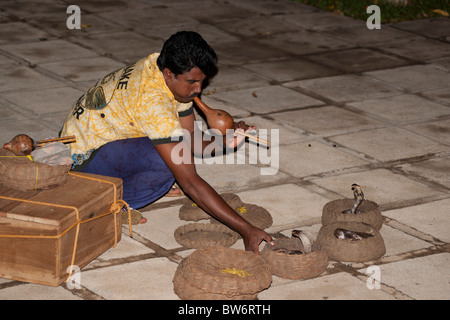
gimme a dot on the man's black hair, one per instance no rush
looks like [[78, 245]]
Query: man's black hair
[[185, 50]]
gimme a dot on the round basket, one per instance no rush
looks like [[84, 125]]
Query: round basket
[[201, 235], [189, 211], [20, 173], [295, 266], [255, 215], [221, 273], [362, 250], [371, 215]]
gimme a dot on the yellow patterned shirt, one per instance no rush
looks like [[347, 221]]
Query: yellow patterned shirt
[[133, 101]]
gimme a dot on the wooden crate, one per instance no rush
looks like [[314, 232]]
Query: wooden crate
[[38, 236]]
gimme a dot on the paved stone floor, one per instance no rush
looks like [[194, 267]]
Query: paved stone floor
[[349, 104]]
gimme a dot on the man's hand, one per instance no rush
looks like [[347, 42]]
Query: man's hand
[[254, 237], [237, 139]]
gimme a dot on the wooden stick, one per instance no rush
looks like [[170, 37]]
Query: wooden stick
[[68, 139], [252, 137]]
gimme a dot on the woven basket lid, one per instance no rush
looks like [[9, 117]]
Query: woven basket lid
[[254, 214], [23, 174], [226, 271], [190, 211], [370, 213], [363, 250], [200, 235], [295, 266], [185, 291]]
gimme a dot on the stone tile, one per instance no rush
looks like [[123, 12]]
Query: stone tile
[[437, 28], [380, 185], [267, 99], [314, 158], [147, 279], [19, 78], [32, 128], [144, 18], [437, 130], [6, 61], [435, 170], [345, 88], [127, 247], [301, 42], [402, 108], [244, 52], [287, 135], [83, 69], [48, 51], [124, 46], [291, 69], [321, 21], [357, 60], [274, 7], [339, 286], [439, 95], [23, 9], [8, 113], [443, 63], [255, 25], [421, 278], [44, 101], [234, 78], [289, 204], [210, 14], [414, 78], [322, 120], [362, 36], [160, 226], [390, 143], [418, 48], [20, 31], [430, 218], [398, 242], [36, 292], [210, 33], [242, 169]]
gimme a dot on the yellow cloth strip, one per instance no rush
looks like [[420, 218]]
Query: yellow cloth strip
[[238, 272]]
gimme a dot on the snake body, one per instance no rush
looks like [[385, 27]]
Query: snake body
[[304, 239], [359, 197], [351, 235]]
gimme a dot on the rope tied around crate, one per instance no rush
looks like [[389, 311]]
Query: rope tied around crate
[[116, 208]]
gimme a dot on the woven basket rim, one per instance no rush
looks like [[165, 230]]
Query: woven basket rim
[[352, 251], [204, 269], [295, 266], [180, 235], [23, 174]]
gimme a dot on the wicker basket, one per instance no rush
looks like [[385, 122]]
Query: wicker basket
[[20, 173], [207, 274], [201, 235], [189, 211], [295, 266], [371, 215], [368, 249], [255, 215]]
